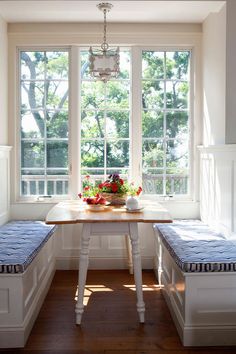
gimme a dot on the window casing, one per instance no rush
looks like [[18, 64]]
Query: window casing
[[44, 112]]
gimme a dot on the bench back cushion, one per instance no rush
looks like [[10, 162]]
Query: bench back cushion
[[20, 241], [197, 248]]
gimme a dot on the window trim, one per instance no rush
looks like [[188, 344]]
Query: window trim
[[136, 109], [37, 198]]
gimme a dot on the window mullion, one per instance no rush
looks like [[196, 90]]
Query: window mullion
[[136, 115]]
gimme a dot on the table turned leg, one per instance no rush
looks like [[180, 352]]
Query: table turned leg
[[134, 238], [129, 254], [83, 267]]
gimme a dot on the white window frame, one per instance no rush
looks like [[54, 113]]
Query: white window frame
[[40, 198], [135, 124], [136, 116]]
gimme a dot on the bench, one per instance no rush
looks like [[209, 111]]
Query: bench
[[196, 269], [27, 265]]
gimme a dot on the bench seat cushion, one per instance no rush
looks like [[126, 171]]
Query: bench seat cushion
[[197, 248], [20, 241]]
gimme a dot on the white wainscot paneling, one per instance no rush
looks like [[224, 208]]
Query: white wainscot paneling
[[217, 187], [4, 183]]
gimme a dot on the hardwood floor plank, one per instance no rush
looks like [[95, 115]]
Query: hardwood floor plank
[[110, 322]]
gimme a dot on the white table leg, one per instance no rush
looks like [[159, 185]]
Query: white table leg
[[134, 238], [83, 267], [129, 254]]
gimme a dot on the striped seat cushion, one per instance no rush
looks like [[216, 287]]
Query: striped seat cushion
[[20, 241], [197, 248]]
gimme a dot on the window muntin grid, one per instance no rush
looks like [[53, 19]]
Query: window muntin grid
[[165, 122], [105, 122], [44, 110]]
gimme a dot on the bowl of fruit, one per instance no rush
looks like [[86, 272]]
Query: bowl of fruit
[[96, 203]]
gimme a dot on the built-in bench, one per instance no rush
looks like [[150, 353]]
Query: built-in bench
[[27, 265], [196, 268]]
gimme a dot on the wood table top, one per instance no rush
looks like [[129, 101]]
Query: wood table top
[[73, 211]]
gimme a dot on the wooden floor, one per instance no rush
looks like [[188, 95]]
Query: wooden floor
[[110, 321]]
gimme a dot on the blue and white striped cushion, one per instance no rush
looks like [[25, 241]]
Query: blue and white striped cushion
[[20, 241], [197, 248]]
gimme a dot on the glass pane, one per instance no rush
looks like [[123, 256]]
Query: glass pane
[[124, 65], [32, 95], [153, 65], [177, 65], [123, 172], [32, 125], [57, 154], [57, 64], [177, 125], [92, 124], [32, 65], [57, 94], [61, 173], [153, 182], [57, 124], [152, 124], [177, 154], [92, 153], [153, 94], [92, 172], [32, 154], [117, 94], [93, 95], [118, 154], [84, 55], [153, 154], [32, 182], [177, 94], [117, 124], [177, 185]]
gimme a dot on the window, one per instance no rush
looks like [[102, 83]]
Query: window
[[44, 102], [149, 141], [165, 122], [105, 122]]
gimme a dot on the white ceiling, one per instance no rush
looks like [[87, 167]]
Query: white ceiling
[[123, 11]]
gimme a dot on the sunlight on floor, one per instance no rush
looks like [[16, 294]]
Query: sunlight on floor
[[91, 289]]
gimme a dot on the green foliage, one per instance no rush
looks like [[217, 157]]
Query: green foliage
[[105, 114]]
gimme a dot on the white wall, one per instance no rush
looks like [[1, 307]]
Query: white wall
[[3, 83], [218, 187], [214, 78], [230, 126]]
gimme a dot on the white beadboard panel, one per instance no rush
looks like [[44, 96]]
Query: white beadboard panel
[[4, 303], [5, 184], [217, 187], [116, 243]]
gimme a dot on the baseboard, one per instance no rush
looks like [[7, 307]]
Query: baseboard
[[16, 336], [209, 336], [72, 263]]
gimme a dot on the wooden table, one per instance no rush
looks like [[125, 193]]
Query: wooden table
[[107, 222]]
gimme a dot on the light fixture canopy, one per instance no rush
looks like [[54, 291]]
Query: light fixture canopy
[[104, 62]]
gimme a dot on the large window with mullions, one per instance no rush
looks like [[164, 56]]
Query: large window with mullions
[[44, 107], [105, 122], [165, 122], [137, 125]]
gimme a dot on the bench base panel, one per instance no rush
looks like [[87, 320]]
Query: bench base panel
[[202, 305], [22, 295]]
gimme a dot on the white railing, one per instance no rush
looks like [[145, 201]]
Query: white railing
[[36, 183], [150, 183]]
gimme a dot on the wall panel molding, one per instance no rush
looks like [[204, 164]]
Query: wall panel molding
[[4, 183], [217, 187]]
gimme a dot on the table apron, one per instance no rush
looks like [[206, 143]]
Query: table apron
[[110, 228]]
